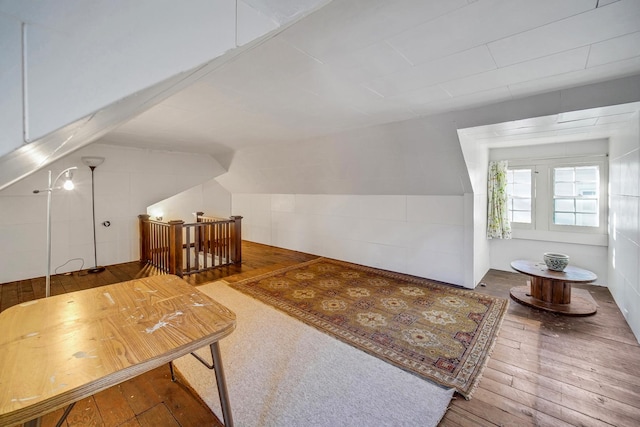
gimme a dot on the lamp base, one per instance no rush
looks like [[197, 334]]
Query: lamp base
[[96, 270]]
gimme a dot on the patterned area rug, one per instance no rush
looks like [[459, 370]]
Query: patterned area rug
[[438, 332]]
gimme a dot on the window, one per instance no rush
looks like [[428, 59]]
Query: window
[[519, 192], [576, 196], [550, 196]]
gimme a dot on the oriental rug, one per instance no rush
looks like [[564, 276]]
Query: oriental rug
[[283, 372], [438, 332]]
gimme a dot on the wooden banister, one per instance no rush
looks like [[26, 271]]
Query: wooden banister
[[236, 239], [179, 248], [144, 237], [175, 245]]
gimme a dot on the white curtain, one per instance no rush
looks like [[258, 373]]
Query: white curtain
[[498, 226]]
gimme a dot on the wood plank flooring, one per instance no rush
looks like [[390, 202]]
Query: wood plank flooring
[[545, 370]]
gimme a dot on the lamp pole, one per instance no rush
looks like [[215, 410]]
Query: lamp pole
[[93, 163], [68, 185]]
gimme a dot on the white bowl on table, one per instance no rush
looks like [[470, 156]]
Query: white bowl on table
[[556, 261]]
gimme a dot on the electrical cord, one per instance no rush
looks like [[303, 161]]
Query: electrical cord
[[71, 272]]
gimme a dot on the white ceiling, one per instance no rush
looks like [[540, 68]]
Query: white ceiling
[[359, 63], [589, 124]]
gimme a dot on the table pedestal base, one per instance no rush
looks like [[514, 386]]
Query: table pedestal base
[[582, 303]]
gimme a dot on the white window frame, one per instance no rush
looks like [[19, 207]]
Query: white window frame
[[527, 225], [542, 226], [602, 199]]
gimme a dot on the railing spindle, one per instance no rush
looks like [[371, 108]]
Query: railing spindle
[[167, 251]]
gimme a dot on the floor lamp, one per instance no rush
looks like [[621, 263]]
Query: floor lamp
[[68, 185], [93, 163]]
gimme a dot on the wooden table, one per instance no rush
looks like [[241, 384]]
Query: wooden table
[[58, 350], [551, 290]]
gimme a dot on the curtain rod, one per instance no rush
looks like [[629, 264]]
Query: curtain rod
[[578, 157]]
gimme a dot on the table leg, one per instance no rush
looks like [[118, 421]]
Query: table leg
[[222, 385], [551, 290], [582, 303], [38, 421]]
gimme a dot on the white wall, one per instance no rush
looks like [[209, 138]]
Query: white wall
[[418, 235], [476, 157], [209, 197], [586, 251], [63, 39], [421, 157], [126, 183], [624, 223]]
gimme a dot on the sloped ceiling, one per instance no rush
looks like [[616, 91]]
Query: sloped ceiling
[[359, 97], [355, 64], [71, 71], [587, 124]]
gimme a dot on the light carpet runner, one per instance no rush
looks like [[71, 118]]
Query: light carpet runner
[[281, 372]]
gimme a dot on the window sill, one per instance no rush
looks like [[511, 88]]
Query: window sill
[[561, 237]]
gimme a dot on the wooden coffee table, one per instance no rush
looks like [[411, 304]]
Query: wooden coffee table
[[58, 350], [551, 290]]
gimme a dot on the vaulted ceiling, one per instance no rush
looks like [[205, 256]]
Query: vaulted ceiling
[[360, 63], [312, 96]]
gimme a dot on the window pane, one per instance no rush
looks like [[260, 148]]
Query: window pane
[[522, 176], [563, 189], [587, 206], [587, 174], [587, 188], [564, 205], [561, 218], [587, 220], [522, 216], [519, 193], [576, 192], [521, 190], [522, 204], [564, 174]]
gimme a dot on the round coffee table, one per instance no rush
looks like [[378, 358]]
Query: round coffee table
[[551, 290]]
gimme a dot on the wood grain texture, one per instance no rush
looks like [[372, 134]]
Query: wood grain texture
[[551, 290], [570, 274], [61, 349], [582, 304], [546, 370], [552, 370], [113, 406], [159, 415]]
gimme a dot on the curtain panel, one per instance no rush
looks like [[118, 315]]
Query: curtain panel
[[498, 226]]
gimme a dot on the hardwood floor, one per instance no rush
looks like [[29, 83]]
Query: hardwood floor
[[552, 370], [545, 370]]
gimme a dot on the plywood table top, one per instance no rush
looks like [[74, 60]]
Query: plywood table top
[[58, 350]]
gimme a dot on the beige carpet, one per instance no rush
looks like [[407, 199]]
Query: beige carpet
[[281, 372]]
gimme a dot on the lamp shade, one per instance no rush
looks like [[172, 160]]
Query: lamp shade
[[92, 161]]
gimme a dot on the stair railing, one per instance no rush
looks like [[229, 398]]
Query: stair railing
[[179, 248]]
